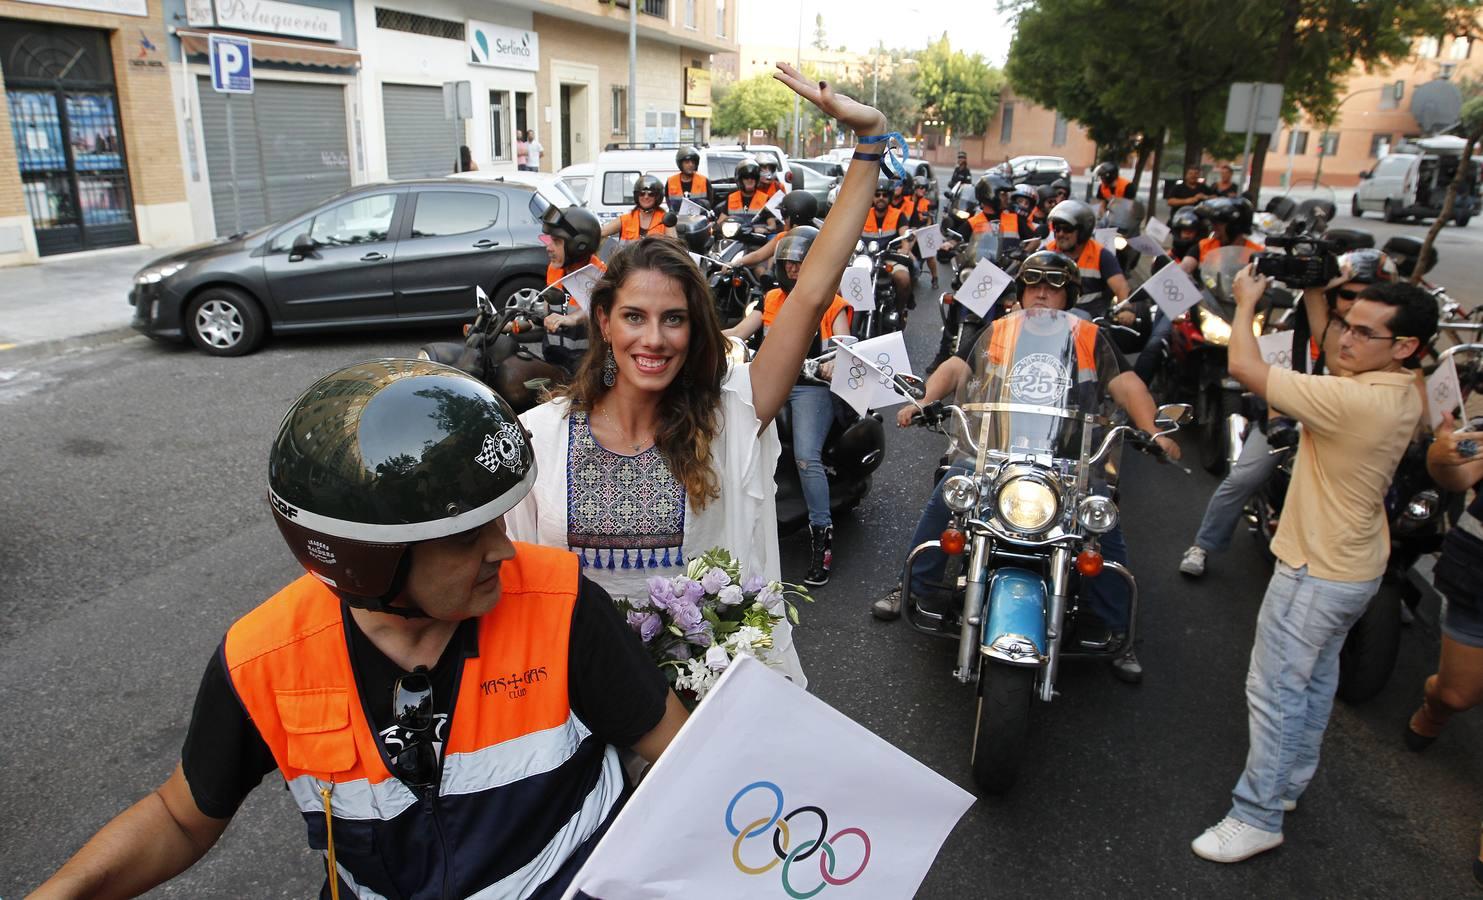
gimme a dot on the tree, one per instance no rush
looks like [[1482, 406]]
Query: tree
[[894, 93], [757, 102], [959, 90], [820, 41], [1471, 124]]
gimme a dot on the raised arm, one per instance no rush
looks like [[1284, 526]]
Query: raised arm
[[775, 369]]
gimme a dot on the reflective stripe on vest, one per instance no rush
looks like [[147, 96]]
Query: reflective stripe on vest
[[504, 820]]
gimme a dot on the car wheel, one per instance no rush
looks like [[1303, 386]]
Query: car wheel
[[1354, 209], [1389, 213], [514, 286], [1462, 219], [224, 321]]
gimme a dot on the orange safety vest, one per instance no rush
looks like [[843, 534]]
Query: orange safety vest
[[676, 188], [1212, 243], [1089, 261], [1119, 189], [770, 189], [511, 725], [772, 304], [873, 221], [979, 221], [734, 201], [632, 230], [1007, 331]]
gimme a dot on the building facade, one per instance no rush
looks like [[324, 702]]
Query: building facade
[[1018, 128]]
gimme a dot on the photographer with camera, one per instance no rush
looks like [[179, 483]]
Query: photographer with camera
[[1331, 545], [1359, 269]]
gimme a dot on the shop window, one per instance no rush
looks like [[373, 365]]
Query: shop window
[[620, 110], [1006, 126], [362, 221], [1379, 145], [1328, 143], [412, 23], [441, 213], [617, 188], [499, 125]]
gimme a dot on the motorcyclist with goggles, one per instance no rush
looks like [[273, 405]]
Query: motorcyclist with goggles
[[647, 215], [810, 403], [688, 183], [1071, 225], [571, 236], [1359, 269], [1046, 280], [443, 704], [884, 222]]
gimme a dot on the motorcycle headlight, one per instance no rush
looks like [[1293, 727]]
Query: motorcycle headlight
[[730, 229], [960, 493], [1027, 504], [1121, 243], [1097, 514], [1422, 506], [873, 246], [156, 274], [860, 246], [1215, 329]]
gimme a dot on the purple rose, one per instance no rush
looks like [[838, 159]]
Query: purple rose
[[661, 592], [771, 599], [714, 580], [702, 635], [694, 591], [753, 584], [686, 614], [647, 624]]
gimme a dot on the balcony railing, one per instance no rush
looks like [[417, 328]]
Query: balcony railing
[[659, 8]]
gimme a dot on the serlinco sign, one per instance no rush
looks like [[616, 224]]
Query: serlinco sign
[[504, 48], [274, 17]]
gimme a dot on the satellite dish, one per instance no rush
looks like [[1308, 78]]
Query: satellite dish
[[1436, 105]]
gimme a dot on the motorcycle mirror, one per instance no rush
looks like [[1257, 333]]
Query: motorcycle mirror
[[910, 385], [1171, 415], [671, 220]]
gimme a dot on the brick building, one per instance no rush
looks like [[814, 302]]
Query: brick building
[[1018, 128]]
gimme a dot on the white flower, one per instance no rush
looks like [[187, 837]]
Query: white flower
[[731, 595], [771, 598], [717, 659]]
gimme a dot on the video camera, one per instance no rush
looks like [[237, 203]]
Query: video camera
[[1307, 260]]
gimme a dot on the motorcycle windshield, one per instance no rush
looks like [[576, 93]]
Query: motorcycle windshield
[[1123, 214], [1037, 389], [1218, 270]]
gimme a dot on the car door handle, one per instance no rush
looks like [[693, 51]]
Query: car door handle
[[373, 257], [486, 244]]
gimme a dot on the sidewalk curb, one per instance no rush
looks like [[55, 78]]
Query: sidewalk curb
[[60, 346]]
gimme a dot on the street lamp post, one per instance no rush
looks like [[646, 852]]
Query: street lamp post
[[633, 70], [1318, 170], [797, 64]]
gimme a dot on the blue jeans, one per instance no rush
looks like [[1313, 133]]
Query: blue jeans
[[1290, 686], [1246, 477], [1106, 595], [812, 413], [1148, 357]]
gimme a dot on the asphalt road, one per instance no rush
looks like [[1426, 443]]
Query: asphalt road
[[136, 531]]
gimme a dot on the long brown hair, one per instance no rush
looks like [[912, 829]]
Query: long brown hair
[[689, 411]]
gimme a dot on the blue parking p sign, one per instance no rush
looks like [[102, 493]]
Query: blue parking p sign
[[231, 64]]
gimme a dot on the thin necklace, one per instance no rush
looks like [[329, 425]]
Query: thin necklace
[[621, 433]]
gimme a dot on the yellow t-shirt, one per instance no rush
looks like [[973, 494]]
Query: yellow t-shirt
[[1355, 430]]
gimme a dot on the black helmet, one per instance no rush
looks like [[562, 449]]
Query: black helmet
[[1233, 212], [1076, 214], [1058, 266], [1106, 171], [689, 153], [1061, 184], [383, 454], [648, 183], [695, 231], [800, 208], [792, 248], [1405, 250], [578, 229], [908, 184], [987, 189], [1368, 266], [1186, 218], [748, 168], [884, 183]]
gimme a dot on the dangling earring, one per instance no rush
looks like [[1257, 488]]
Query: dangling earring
[[609, 368]]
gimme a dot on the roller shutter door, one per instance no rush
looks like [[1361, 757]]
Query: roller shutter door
[[419, 141], [274, 152]]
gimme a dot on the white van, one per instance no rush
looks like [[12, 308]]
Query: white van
[[606, 186], [1414, 183]]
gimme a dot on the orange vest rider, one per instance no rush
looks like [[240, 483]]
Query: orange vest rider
[[632, 227], [511, 726], [1212, 244], [755, 204], [876, 223], [675, 187], [979, 221], [772, 304], [1120, 188], [564, 339]]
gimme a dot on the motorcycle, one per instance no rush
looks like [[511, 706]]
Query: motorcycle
[[875, 254], [496, 347], [1025, 526]]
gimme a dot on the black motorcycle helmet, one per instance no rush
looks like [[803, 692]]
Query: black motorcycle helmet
[[1076, 214], [695, 232], [648, 183], [1186, 219], [384, 454], [800, 208], [1106, 171], [748, 168], [1052, 265], [689, 153], [577, 228], [1232, 212], [793, 247], [1062, 185], [884, 185], [988, 188], [1405, 250]]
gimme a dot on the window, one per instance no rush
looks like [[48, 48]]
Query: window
[[651, 119], [1379, 145], [361, 221], [441, 213], [1461, 47], [617, 188], [690, 13], [499, 125], [620, 110], [721, 168], [1328, 143], [412, 23], [1058, 137], [1427, 47], [658, 8], [1006, 127], [577, 184], [1393, 166], [1296, 142], [720, 18]]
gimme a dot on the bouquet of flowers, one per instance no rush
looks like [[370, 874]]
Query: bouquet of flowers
[[695, 624]]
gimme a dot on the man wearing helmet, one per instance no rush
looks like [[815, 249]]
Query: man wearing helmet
[[1071, 225], [1110, 183], [1187, 229], [992, 193], [1230, 225], [747, 198], [646, 217], [771, 183], [1046, 280], [917, 210], [688, 183], [809, 403], [442, 704], [798, 208], [571, 237], [884, 222]]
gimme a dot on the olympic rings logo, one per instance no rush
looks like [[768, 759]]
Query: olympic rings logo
[[859, 372], [981, 289], [1172, 293], [783, 850]]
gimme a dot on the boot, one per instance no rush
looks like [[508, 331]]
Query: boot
[[888, 607], [821, 559]]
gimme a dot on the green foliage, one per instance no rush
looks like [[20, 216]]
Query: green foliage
[[895, 94], [821, 42], [757, 102], [961, 91], [1472, 115]]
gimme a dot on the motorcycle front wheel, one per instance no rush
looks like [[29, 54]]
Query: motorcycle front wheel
[[1004, 699], [1212, 412]]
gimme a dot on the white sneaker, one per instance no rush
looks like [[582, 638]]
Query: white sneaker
[[1232, 840], [1193, 561]]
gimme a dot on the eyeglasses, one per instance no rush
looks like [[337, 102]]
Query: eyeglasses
[[1362, 332], [648, 193], [1035, 276], [883, 193], [412, 708]]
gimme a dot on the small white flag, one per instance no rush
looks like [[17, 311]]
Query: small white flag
[[982, 287], [857, 288], [480, 296], [929, 240], [1277, 350], [1145, 245], [580, 284], [863, 371], [1157, 230], [1107, 237], [689, 207], [1443, 392], [775, 203], [1172, 290]]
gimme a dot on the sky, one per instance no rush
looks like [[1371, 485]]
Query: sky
[[974, 26]]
